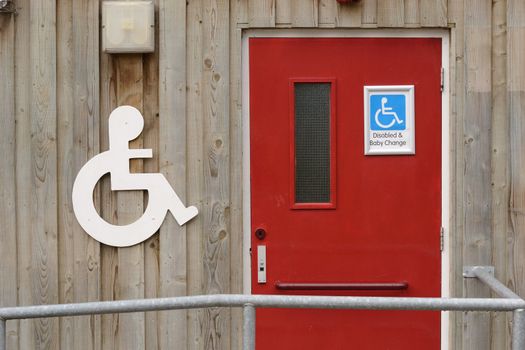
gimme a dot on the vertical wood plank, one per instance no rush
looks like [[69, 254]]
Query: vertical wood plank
[[236, 179], [108, 204], [78, 141], [305, 13], [433, 13], [412, 13], [369, 13], [516, 110], [242, 12], [24, 198], [350, 14], [67, 224], [151, 140], [283, 13], [390, 13], [44, 245], [216, 209], [328, 13], [457, 99], [8, 215], [500, 163], [172, 148], [262, 13], [477, 161], [87, 107], [131, 329], [195, 137]]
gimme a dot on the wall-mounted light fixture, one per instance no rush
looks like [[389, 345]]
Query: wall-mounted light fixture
[[128, 26], [7, 6]]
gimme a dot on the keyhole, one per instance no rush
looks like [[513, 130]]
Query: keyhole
[[260, 233]]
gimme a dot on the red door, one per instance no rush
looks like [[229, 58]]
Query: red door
[[332, 220]]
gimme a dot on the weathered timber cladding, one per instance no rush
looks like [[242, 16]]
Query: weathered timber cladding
[[515, 97], [8, 294], [56, 92]]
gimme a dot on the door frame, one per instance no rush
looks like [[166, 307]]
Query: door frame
[[446, 187]]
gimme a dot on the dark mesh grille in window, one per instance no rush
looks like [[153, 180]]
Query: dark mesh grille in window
[[312, 142]]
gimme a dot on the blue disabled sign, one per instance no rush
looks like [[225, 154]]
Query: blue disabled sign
[[388, 112], [389, 119]]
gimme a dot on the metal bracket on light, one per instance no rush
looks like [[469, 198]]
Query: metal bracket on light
[[7, 6]]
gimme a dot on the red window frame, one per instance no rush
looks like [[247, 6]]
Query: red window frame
[[323, 205]]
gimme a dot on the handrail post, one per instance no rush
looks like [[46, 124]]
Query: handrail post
[[518, 330], [248, 342], [2, 334]]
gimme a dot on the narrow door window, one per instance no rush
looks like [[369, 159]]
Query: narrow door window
[[313, 144]]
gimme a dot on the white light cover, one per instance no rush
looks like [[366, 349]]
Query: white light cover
[[128, 26]]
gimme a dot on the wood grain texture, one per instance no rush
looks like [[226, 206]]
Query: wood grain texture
[[131, 329], [412, 9], [44, 245], [328, 14], [350, 14], [477, 199], [150, 136], [196, 165], [390, 13], [261, 13], [283, 12], [433, 13], [369, 13], [516, 110], [500, 166], [108, 204], [67, 225], [8, 215], [455, 241], [172, 153], [305, 13], [242, 15], [457, 102], [216, 207], [78, 141], [236, 178], [24, 198]]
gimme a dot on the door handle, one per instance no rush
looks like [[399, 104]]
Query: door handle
[[342, 286]]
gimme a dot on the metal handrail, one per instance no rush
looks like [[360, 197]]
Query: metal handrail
[[249, 303]]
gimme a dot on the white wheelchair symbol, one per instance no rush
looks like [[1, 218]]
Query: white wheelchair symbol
[[386, 111], [125, 124]]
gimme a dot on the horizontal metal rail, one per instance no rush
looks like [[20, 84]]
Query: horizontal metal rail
[[249, 303], [262, 301]]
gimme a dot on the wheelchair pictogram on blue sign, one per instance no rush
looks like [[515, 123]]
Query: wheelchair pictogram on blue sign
[[388, 112]]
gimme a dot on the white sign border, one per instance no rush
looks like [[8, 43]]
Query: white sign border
[[408, 91]]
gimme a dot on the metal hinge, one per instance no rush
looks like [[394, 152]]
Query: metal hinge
[[442, 79], [442, 238]]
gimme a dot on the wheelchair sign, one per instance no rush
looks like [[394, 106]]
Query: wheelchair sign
[[389, 120], [389, 112], [125, 124]]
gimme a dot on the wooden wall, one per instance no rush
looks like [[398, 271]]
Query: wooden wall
[[57, 89]]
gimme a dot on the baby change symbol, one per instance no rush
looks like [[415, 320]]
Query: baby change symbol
[[388, 112], [125, 124]]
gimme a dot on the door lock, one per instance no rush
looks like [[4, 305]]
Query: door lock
[[260, 233]]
